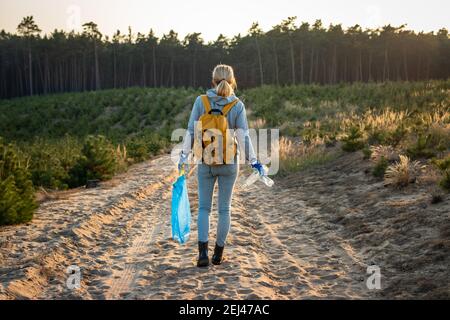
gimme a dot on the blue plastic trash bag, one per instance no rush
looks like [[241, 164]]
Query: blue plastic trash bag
[[181, 211]]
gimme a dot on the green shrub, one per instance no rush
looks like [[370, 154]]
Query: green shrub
[[445, 181], [98, 161], [439, 137], [142, 147], [394, 137], [156, 144], [375, 137], [47, 171], [17, 200], [51, 160], [367, 152], [387, 137], [380, 168], [422, 148], [137, 149], [353, 141], [444, 167]]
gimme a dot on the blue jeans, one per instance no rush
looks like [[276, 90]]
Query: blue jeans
[[226, 175]]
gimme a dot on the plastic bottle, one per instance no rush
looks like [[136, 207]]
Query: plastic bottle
[[267, 181], [255, 176]]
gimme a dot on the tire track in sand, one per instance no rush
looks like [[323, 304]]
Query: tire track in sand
[[148, 221]]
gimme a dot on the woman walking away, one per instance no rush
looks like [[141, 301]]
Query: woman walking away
[[219, 124]]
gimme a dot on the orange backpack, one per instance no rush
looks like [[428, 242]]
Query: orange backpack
[[213, 142]]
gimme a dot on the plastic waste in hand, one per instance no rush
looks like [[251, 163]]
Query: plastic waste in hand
[[255, 176]]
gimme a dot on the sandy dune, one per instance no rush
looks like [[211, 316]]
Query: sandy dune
[[311, 236]]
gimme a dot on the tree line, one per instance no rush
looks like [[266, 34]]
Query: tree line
[[288, 54]]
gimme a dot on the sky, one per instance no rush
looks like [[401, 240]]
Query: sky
[[228, 17]]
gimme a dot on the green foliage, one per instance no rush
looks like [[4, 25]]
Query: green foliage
[[303, 103], [137, 149], [156, 144], [116, 114], [51, 160], [47, 170], [445, 181], [380, 168], [396, 136], [367, 152], [144, 146], [98, 161], [444, 167], [411, 117], [422, 148], [17, 201], [382, 136], [353, 141], [139, 120]]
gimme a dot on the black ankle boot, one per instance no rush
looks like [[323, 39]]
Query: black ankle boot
[[203, 260], [218, 255]]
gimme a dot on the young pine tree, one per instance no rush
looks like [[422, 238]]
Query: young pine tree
[[17, 200]]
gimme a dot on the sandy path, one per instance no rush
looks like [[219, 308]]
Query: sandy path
[[119, 235], [284, 243]]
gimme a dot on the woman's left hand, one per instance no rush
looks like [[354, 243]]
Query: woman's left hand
[[259, 167], [183, 165]]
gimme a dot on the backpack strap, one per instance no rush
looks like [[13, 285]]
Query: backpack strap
[[228, 107], [206, 103]]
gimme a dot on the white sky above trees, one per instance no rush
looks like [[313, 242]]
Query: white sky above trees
[[228, 17]]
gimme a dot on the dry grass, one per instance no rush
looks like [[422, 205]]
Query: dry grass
[[439, 117], [387, 120], [371, 121], [386, 152], [403, 172], [257, 124], [297, 156], [289, 148], [121, 156]]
